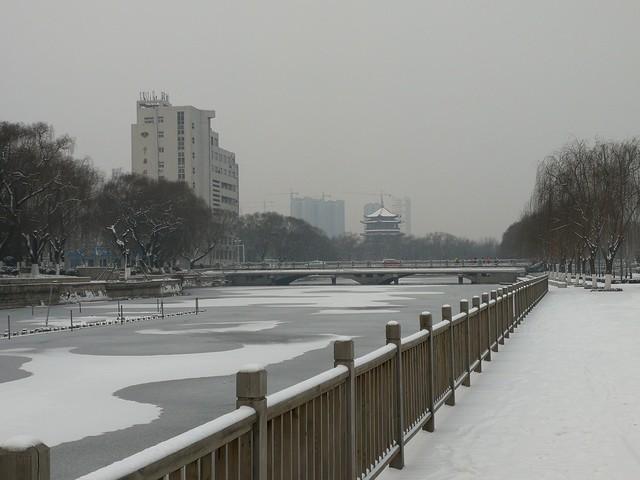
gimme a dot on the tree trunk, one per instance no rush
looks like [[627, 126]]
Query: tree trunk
[[608, 273]]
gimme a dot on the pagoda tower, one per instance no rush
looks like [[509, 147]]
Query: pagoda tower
[[381, 224]]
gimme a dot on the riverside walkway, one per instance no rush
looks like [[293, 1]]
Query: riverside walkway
[[561, 402]]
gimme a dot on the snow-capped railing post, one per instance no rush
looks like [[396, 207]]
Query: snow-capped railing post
[[393, 334], [505, 311], [500, 309], [510, 307], [520, 302], [251, 391], [475, 303], [494, 318], [426, 323], [22, 458], [344, 354], [487, 313], [446, 315], [464, 308]]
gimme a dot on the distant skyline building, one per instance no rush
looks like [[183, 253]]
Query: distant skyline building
[[369, 208], [402, 206], [177, 143], [327, 215]]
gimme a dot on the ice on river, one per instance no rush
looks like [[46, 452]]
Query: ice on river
[[58, 410]]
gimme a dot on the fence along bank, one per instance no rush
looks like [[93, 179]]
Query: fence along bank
[[348, 422]]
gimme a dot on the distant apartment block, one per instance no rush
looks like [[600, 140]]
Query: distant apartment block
[[327, 215], [402, 206], [177, 143]]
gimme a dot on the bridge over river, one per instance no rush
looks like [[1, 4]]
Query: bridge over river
[[373, 275]]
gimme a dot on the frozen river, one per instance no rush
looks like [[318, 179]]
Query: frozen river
[[96, 395]]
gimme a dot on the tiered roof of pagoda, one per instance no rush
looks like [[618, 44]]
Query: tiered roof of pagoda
[[382, 222]]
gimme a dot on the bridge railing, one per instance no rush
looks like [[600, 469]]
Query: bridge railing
[[346, 423], [319, 265]]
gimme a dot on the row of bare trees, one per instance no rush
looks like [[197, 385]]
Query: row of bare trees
[[585, 206], [159, 222], [50, 200], [43, 192]]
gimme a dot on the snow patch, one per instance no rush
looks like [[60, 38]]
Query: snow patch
[[241, 327], [63, 411]]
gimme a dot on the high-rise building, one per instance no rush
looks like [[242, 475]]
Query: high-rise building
[[327, 215], [177, 143], [402, 206]]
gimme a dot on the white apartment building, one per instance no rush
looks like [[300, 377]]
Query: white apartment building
[[177, 143]]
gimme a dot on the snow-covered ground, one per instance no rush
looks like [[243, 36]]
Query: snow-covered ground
[[561, 400]]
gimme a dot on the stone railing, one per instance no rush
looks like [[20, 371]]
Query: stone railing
[[348, 422]]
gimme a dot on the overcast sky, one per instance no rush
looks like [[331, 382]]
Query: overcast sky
[[451, 103]]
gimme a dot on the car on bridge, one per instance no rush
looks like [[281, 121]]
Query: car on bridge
[[391, 262]]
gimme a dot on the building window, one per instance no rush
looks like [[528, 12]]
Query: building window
[[193, 155], [181, 131], [144, 172], [160, 164], [193, 125], [180, 143], [144, 161], [193, 170], [160, 119], [193, 140], [148, 119], [161, 134], [161, 149]]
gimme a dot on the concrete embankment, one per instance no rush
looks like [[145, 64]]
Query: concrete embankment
[[19, 292]]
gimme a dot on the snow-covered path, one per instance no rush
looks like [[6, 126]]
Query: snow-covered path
[[561, 400]]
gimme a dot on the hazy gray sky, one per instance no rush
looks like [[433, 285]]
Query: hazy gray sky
[[451, 103]]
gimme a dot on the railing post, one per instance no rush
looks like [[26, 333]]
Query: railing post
[[393, 334], [494, 315], [464, 308], [22, 458], [487, 316], [510, 304], [446, 315], [426, 323], [344, 354], [251, 391], [504, 326], [475, 302], [521, 302]]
